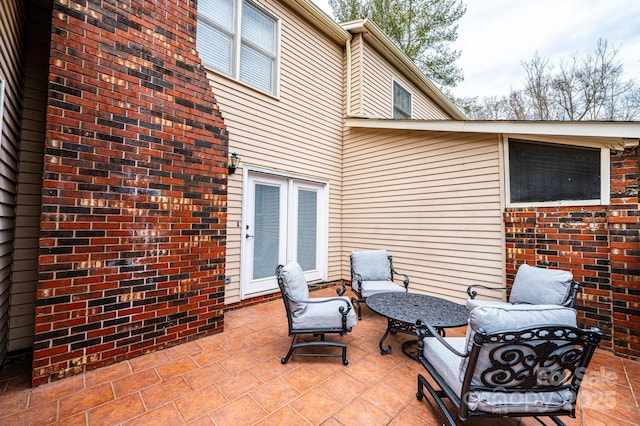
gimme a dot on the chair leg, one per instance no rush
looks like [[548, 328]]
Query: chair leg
[[356, 302], [555, 419], [345, 361], [286, 358], [436, 397], [321, 342]]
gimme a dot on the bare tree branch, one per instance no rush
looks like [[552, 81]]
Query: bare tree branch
[[588, 88]]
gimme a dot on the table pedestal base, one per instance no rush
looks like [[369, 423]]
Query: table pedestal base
[[395, 326]]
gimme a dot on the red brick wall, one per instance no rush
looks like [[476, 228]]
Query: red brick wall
[[599, 244], [134, 191]]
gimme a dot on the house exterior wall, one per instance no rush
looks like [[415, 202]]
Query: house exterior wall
[[24, 274], [599, 244], [432, 200], [132, 247], [299, 132], [435, 202], [377, 89], [134, 221], [11, 44]]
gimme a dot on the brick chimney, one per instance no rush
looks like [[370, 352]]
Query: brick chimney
[[132, 247]]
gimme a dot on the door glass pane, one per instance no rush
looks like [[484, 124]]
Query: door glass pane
[[307, 228], [267, 231]]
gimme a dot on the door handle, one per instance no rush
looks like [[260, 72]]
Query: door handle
[[248, 236]]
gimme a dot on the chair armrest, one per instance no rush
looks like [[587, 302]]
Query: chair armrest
[[573, 295], [340, 290], [344, 310], [424, 329], [472, 293], [405, 279]]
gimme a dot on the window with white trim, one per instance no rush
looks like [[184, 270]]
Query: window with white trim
[[401, 102], [548, 174], [239, 39]]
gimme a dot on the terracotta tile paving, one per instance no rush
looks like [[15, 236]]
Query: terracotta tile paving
[[236, 378]]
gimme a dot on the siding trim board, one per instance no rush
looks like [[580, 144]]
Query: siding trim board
[[618, 135], [2, 84], [29, 197]]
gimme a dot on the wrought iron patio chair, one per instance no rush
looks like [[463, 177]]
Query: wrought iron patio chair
[[313, 316], [372, 272], [498, 370], [533, 285]]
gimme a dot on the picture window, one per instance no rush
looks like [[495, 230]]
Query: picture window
[[540, 172]]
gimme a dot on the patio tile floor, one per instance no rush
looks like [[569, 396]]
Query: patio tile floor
[[236, 378]]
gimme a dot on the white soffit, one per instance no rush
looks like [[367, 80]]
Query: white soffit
[[592, 129]]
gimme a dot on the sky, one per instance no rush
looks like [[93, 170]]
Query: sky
[[496, 36]]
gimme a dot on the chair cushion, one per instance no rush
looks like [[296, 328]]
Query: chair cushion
[[296, 285], [511, 317], [443, 360], [541, 286], [372, 265], [373, 287], [474, 303], [324, 315], [524, 402]]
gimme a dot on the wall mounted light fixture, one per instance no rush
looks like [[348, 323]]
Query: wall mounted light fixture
[[233, 163]]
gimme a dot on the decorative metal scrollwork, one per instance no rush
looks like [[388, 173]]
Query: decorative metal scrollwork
[[531, 359]]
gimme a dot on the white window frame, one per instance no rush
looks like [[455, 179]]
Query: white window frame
[[395, 83], [605, 164], [236, 41]]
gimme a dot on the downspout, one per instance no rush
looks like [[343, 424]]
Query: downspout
[[349, 71]]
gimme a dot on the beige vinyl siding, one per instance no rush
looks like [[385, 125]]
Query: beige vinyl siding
[[356, 75], [300, 132], [432, 199], [11, 22], [377, 90], [25, 266]]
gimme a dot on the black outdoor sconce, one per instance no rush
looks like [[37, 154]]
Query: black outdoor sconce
[[233, 163]]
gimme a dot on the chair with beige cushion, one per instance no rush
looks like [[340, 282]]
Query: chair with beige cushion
[[372, 272], [313, 316], [516, 361], [533, 285]]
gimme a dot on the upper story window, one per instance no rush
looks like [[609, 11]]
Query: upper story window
[[547, 174], [239, 39], [401, 102]]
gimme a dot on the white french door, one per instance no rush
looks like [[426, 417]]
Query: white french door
[[285, 218]]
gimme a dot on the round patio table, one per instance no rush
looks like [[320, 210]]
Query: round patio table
[[402, 310]]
